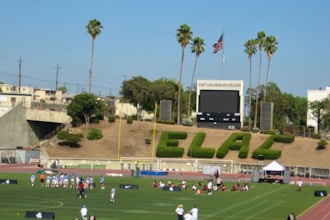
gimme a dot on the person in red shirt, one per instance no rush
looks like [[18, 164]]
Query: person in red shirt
[[42, 179]]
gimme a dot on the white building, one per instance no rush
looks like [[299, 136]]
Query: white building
[[315, 95]]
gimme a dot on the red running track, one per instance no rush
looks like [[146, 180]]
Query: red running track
[[321, 211]]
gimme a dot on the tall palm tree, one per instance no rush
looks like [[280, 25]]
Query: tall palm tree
[[183, 36], [261, 36], [197, 47], [93, 28], [250, 50], [270, 49]]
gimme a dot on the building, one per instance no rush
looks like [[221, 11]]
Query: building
[[15, 94], [315, 95]]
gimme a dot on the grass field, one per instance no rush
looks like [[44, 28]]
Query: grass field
[[262, 202]]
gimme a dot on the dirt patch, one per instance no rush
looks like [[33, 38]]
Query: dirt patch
[[130, 141]]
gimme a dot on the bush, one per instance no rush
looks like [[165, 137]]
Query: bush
[[270, 132], [166, 122], [95, 120], [284, 138], [94, 134], [129, 120], [187, 122], [255, 130], [245, 129], [321, 144], [68, 138], [111, 118]]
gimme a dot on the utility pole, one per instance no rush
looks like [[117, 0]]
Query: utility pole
[[57, 68], [19, 74], [78, 88]]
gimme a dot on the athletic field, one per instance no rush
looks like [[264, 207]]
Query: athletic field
[[263, 201]]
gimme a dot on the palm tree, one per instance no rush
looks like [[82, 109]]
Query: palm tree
[[93, 28], [260, 41], [250, 49], [270, 48], [183, 35], [197, 47]]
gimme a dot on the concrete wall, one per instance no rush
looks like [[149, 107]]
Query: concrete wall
[[15, 130], [46, 115]]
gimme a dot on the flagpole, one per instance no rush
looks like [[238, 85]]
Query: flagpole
[[154, 133], [223, 53]]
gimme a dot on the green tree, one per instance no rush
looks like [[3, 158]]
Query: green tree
[[63, 89], [320, 111], [183, 35], [270, 48], [138, 90], [84, 106], [295, 109], [250, 50], [166, 89], [261, 36], [276, 96], [93, 28], [197, 47]]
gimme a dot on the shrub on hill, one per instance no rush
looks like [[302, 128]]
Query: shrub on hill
[[196, 150], [129, 120], [70, 139], [94, 134], [321, 144], [111, 118], [317, 136], [232, 143], [168, 144], [187, 122]]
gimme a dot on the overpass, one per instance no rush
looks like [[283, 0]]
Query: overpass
[[46, 115], [26, 127]]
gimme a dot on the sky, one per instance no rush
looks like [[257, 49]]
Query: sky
[[139, 39]]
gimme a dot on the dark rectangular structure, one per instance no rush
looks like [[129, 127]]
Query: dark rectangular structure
[[219, 109]]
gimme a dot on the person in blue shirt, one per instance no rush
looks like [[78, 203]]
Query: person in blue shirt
[[102, 182], [32, 179]]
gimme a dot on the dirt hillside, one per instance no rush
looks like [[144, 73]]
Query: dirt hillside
[[130, 140]]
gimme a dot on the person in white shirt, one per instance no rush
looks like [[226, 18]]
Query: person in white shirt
[[112, 194], [209, 187], [83, 212], [179, 212], [194, 213], [299, 184], [188, 216]]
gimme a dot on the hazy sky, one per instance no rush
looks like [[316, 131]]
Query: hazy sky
[[139, 39]]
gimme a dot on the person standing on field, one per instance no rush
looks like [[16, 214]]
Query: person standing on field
[[179, 212], [32, 179], [194, 213], [83, 212], [112, 194], [42, 179], [299, 185]]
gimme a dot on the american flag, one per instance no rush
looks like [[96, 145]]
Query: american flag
[[218, 45]]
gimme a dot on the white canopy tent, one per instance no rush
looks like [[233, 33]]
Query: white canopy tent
[[274, 166]]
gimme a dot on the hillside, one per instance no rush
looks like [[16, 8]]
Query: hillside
[[301, 152]]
